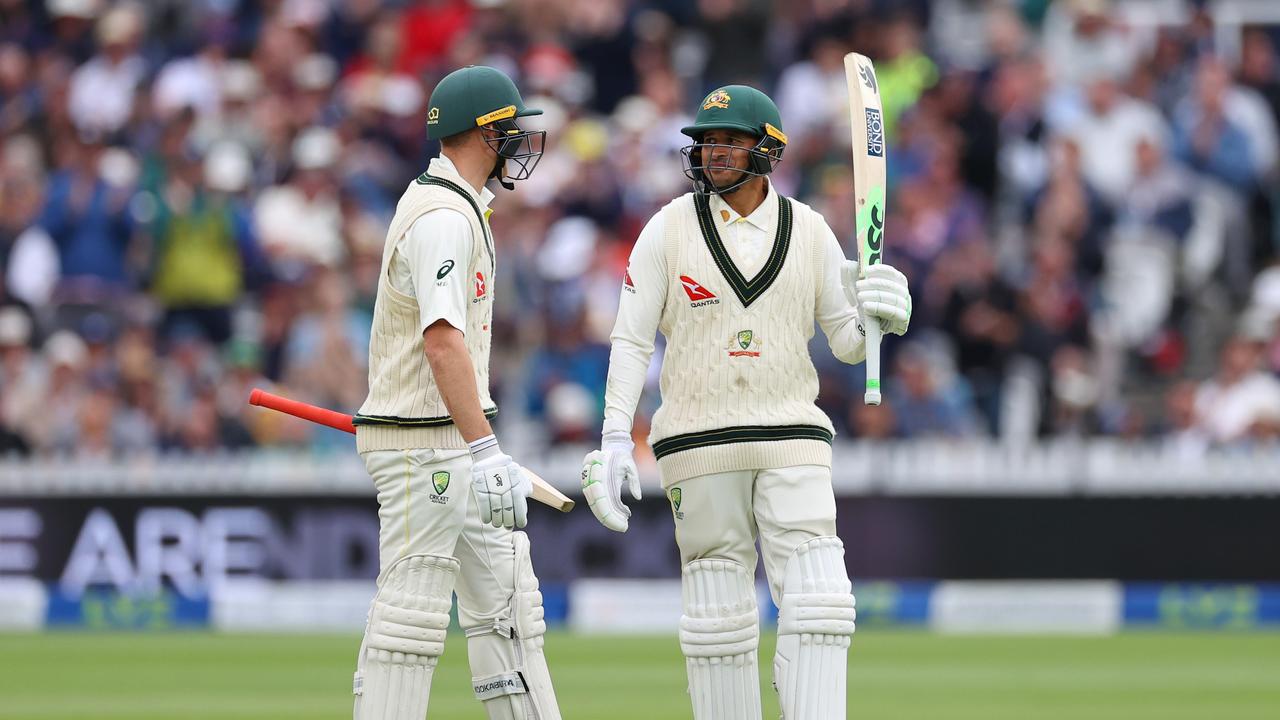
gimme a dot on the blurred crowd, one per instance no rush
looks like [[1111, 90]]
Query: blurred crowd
[[194, 196]]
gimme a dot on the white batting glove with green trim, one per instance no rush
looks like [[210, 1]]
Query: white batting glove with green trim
[[883, 294], [604, 472]]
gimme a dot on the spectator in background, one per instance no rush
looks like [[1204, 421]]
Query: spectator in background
[[202, 430], [735, 33], [812, 92], [93, 434], [239, 92], [1073, 393], [18, 99], [936, 211], [1108, 131], [101, 97], [1181, 428], [1068, 209], [72, 32], [1209, 139], [203, 241], [299, 222], [1162, 192], [428, 29], [980, 313], [87, 215], [872, 422], [904, 71], [328, 345], [922, 405], [1260, 70], [1083, 35], [1242, 400], [602, 33], [29, 267], [568, 357], [55, 424], [194, 81], [1051, 303], [22, 374]]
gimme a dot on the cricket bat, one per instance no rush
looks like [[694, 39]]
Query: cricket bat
[[543, 492], [866, 122]]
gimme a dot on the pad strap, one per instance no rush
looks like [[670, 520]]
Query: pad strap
[[494, 686]]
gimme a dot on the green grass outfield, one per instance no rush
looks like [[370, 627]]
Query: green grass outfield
[[892, 674]]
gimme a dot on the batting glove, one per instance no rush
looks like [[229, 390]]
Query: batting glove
[[604, 471], [882, 294], [501, 487]]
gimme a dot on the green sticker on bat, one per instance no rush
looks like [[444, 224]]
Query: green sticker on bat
[[870, 227]]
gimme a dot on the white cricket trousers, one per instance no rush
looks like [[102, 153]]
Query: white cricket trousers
[[721, 515], [418, 516]]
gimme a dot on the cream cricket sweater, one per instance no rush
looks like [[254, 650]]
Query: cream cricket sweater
[[738, 386], [404, 408]]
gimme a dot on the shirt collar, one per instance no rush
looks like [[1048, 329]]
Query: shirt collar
[[764, 217], [442, 165]]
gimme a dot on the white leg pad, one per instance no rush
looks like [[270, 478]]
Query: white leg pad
[[404, 638], [720, 637], [815, 626], [508, 668]]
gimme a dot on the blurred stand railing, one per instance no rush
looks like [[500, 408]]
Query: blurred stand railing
[[1079, 468]]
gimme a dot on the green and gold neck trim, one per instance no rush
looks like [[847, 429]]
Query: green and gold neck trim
[[748, 291]]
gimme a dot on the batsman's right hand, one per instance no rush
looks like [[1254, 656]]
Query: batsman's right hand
[[501, 487], [604, 471]]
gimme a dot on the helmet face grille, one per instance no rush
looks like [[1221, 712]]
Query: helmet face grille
[[762, 159], [518, 150]]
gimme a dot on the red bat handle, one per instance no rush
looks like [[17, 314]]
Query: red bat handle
[[306, 411]]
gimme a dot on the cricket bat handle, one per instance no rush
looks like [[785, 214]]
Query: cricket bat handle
[[543, 492], [874, 333]]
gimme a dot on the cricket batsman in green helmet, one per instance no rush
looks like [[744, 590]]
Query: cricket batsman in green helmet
[[735, 275], [450, 500]]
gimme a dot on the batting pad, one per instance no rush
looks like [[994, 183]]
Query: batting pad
[[815, 625], [719, 635], [509, 671], [404, 638]]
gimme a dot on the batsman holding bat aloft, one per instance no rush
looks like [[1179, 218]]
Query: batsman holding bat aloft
[[448, 497], [735, 275]]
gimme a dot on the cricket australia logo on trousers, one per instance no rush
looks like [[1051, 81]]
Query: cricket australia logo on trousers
[[440, 482], [744, 344], [676, 497]]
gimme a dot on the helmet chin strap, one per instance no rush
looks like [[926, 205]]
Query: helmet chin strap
[[497, 174]]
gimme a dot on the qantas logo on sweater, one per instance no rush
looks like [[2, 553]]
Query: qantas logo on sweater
[[627, 284], [698, 295], [480, 289]]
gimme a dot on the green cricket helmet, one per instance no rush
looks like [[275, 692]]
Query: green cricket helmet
[[741, 108], [480, 96]]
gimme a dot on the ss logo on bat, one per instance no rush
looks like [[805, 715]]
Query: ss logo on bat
[[875, 236]]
